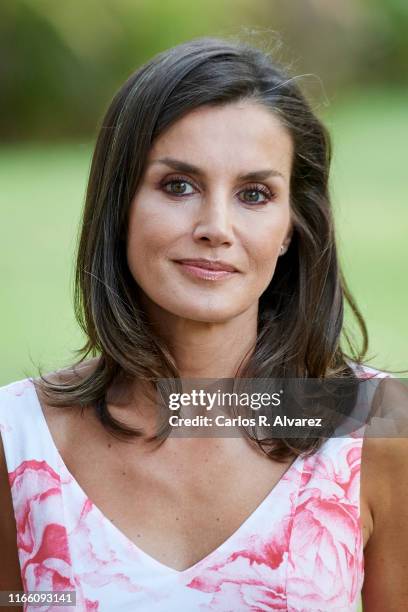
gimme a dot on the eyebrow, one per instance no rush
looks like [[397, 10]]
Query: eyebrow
[[181, 166]]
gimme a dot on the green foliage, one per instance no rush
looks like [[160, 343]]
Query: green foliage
[[42, 195], [66, 60], [62, 62], [369, 191]]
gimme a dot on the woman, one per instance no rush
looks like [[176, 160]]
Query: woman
[[206, 252]]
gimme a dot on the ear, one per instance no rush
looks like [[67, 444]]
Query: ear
[[288, 237], [285, 244]]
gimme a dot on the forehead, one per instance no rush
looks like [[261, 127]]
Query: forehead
[[235, 135]]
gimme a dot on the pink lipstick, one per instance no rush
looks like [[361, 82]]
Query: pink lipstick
[[206, 269]]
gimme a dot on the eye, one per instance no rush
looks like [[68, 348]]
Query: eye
[[178, 186], [254, 192]]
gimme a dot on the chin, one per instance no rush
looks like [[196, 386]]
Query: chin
[[205, 313]]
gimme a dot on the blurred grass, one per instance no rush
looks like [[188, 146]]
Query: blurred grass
[[42, 192], [41, 197], [370, 197]]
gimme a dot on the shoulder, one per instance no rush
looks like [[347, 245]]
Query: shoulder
[[384, 478], [384, 491], [385, 445], [385, 448]]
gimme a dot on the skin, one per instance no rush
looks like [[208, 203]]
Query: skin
[[180, 501], [212, 220]]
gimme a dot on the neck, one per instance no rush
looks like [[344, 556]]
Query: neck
[[207, 349], [202, 350]]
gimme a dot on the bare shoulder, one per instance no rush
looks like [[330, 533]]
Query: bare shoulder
[[384, 489], [384, 471]]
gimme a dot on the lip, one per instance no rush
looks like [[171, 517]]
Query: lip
[[206, 269], [208, 264]]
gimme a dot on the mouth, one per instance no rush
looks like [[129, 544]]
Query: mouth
[[206, 269]]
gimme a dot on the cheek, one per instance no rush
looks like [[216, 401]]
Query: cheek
[[147, 238], [153, 235], [142, 243], [147, 233], [264, 249], [264, 267]]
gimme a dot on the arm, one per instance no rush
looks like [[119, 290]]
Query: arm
[[10, 577], [385, 490]]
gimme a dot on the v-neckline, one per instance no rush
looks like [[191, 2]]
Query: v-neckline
[[129, 542]]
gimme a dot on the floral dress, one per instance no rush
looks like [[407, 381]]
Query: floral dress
[[301, 549]]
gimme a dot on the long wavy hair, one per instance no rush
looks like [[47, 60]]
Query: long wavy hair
[[300, 321]]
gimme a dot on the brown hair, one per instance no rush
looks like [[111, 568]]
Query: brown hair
[[300, 313]]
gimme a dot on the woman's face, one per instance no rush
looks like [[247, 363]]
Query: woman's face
[[216, 187]]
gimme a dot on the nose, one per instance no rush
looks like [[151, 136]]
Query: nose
[[214, 221]]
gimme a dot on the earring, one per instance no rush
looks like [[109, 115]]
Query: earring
[[282, 249]]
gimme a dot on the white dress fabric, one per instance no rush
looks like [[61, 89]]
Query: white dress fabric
[[300, 550]]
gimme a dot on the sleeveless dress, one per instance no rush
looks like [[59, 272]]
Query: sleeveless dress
[[301, 549]]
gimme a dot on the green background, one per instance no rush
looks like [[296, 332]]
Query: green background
[[65, 62], [42, 195]]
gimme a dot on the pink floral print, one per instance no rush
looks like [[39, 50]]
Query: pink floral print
[[300, 550], [43, 546]]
